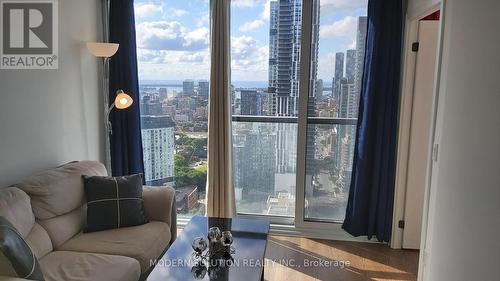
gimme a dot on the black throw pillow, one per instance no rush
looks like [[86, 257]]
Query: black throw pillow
[[16, 257], [113, 202]]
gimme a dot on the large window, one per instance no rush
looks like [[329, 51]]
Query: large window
[[282, 168], [173, 59], [267, 105]]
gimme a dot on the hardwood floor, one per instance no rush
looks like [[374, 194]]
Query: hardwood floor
[[302, 259], [362, 261]]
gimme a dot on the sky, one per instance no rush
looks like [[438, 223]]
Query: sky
[[173, 37]]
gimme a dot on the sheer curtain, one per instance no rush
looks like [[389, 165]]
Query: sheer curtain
[[220, 191]]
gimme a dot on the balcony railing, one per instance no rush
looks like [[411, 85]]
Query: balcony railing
[[265, 155], [293, 119]]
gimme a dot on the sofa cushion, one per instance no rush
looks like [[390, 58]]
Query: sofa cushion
[[113, 202], [57, 198], [62, 228], [75, 266], [59, 191], [15, 206], [16, 257], [144, 242], [39, 241]]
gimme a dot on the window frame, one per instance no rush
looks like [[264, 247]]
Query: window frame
[[298, 225]]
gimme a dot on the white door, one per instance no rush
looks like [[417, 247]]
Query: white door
[[420, 132]]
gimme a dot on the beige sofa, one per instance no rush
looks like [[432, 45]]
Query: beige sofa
[[48, 209]]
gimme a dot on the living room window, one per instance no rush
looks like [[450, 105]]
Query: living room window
[[173, 64], [290, 172], [281, 169]]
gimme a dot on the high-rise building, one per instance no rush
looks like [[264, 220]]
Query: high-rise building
[[349, 103], [163, 94], [350, 65], [273, 56], [348, 99], [254, 156], [360, 52], [345, 103], [319, 89], [284, 53], [187, 88], [151, 105], [284, 73], [158, 149], [339, 73], [314, 53], [267, 103], [203, 88], [251, 103]]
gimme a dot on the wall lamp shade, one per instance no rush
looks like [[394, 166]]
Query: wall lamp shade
[[102, 50], [122, 100]]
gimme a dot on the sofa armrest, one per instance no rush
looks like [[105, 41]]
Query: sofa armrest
[[159, 204], [8, 278]]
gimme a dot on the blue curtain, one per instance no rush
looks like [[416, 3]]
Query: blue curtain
[[126, 142], [371, 195]]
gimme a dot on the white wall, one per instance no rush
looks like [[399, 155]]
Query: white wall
[[49, 117], [463, 240]]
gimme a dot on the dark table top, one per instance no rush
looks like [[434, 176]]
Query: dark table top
[[250, 240]]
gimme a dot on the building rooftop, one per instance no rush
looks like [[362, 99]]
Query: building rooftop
[[156, 122]]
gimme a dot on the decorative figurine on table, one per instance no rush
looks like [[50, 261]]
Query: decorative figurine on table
[[218, 256]]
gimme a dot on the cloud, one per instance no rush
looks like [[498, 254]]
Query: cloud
[[326, 66], [174, 65], [146, 10], [203, 20], [245, 3], [266, 12], [328, 6], [344, 28], [251, 26], [352, 45], [160, 35], [177, 12], [248, 58], [150, 56], [170, 35], [258, 23], [173, 57], [197, 37]]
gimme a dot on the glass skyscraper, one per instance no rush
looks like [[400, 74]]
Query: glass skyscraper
[[285, 33]]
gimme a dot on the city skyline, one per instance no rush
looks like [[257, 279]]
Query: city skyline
[[264, 153], [173, 37]]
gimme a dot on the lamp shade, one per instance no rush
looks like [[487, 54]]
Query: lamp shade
[[102, 50], [122, 100]]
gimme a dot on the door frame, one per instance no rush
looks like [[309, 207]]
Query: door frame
[[405, 119]]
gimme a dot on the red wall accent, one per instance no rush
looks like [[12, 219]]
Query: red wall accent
[[434, 16]]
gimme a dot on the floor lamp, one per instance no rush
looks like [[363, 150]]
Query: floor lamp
[[122, 100]]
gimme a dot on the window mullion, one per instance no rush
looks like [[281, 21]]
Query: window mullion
[[305, 70]]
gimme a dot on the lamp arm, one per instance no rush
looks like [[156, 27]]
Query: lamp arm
[[111, 108]]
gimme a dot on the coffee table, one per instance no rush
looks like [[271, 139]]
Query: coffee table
[[250, 240]]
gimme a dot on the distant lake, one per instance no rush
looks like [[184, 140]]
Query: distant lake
[[175, 86], [172, 89]]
